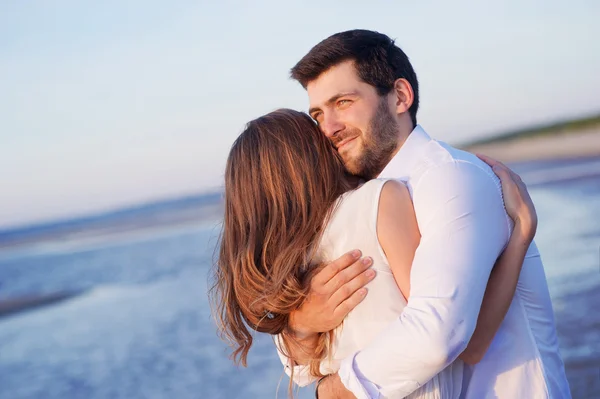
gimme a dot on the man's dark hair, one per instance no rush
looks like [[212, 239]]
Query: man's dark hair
[[378, 61]]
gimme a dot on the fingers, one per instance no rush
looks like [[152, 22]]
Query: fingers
[[501, 170], [503, 173], [494, 164], [332, 269], [516, 177], [490, 161], [340, 288], [348, 289], [498, 167], [350, 303], [347, 275], [516, 197]]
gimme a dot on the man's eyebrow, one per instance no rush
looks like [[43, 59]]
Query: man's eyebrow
[[313, 110], [332, 100]]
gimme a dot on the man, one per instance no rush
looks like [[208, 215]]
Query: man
[[364, 95]]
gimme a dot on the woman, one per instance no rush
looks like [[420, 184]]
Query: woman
[[288, 203]]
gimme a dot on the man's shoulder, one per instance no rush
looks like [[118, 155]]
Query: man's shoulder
[[440, 153], [444, 159], [443, 165]]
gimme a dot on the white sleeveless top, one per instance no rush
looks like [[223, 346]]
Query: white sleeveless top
[[353, 224]]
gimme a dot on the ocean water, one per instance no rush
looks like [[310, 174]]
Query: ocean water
[[138, 323]]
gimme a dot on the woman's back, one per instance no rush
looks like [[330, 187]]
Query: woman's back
[[353, 224]]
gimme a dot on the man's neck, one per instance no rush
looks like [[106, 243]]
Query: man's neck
[[402, 137]]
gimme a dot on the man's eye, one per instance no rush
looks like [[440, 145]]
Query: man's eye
[[318, 117], [343, 102]]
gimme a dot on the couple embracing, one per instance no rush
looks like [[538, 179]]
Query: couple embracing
[[386, 264]]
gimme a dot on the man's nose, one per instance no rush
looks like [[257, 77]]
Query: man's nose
[[331, 125]]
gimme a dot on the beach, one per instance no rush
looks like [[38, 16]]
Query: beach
[[562, 144], [567, 139]]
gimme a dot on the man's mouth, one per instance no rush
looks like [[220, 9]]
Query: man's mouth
[[344, 142]]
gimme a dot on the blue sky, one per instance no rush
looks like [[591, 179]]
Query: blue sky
[[105, 104]]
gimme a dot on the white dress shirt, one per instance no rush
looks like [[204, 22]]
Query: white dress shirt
[[464, 228]]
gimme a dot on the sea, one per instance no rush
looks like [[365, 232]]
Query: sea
[[115, 305]]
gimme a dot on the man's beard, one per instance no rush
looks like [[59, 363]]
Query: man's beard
[[379, 143]]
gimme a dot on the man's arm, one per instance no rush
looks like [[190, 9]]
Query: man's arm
[[464, 228], [504, 278], [498, 296]]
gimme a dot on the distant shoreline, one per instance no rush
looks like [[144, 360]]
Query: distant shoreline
[[565, 140], [187, 212], [12, 306]]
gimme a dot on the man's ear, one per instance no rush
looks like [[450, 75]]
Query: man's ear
[[403, 95]]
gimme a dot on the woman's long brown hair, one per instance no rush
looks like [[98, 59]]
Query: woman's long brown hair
[[282, 180]]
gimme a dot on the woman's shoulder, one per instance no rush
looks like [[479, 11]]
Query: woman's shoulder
[[374, 188], [373, 185], [369, 193]]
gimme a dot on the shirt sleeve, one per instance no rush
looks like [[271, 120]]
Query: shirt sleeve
[[464, 228]]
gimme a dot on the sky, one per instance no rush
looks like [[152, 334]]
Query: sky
[[112, 103]]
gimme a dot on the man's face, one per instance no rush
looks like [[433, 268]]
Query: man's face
[[359, 122]]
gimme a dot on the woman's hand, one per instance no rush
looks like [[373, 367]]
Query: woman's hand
[[517, 201]]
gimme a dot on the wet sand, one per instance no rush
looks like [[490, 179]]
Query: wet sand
[[560, 145]]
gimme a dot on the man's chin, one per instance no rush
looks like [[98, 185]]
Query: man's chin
[[353, 167]]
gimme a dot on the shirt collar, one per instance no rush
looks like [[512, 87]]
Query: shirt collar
[[407, 156]]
